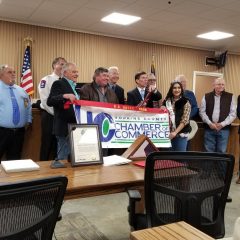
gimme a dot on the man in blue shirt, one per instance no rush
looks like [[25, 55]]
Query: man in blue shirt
[[190, 95], [15, 114]]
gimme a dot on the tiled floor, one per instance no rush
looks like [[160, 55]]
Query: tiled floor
[[109, 213]]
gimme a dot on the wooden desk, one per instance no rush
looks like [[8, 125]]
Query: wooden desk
[[85, 181], [173, 231]]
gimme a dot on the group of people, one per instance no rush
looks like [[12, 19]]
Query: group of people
[[217, 109]]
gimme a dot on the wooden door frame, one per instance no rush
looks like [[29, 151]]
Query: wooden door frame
[[208, 74]]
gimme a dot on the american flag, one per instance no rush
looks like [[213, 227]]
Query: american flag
[[153, 67], [26, 78]]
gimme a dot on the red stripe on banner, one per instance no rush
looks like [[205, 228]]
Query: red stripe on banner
[[114, 106]]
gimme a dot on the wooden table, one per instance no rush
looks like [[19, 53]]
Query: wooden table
[[85, 181], [173, 231]]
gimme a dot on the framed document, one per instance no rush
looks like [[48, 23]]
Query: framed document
[[85, 144]]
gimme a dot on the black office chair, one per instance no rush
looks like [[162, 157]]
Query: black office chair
[[29, 210], [185, 186]]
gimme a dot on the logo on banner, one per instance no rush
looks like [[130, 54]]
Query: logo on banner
[[106, 126]]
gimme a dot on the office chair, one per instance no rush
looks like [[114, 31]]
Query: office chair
[[184, 186], [29, 210]]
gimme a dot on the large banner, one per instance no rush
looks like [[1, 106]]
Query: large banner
[[120, 125]]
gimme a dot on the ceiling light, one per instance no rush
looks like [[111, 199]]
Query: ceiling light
[[119, 18], [215, 35]]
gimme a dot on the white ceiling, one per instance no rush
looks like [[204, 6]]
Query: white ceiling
[[177, 23]]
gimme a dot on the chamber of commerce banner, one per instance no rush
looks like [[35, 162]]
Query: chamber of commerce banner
[[120, 125]]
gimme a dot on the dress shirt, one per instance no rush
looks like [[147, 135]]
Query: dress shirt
[[44, 88], [6, 109], [73, 86], [112, 86], [216, 111], [141, 91]]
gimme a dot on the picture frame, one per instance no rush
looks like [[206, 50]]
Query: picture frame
[[85, 144]]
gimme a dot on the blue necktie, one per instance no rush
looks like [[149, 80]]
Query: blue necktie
[[16, 112], [142, 93]]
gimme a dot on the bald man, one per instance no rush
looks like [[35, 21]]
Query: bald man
[[218, 111]]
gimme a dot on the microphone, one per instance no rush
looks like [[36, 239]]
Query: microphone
[[56, 163]]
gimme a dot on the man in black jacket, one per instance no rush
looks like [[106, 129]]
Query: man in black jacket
[[113, 79], [141, 96], [63, 90]]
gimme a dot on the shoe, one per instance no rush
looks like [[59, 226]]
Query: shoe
[[229, 199], [238, 180]]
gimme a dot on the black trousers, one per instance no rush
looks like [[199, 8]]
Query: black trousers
[[11, 142], [48, 147]]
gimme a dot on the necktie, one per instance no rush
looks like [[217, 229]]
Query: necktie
[[113, 88], [142, 93], [15, 107]]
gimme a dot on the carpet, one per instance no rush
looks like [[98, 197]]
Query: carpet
[[74, 226]]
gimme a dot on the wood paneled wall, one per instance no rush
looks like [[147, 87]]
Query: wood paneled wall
[[91, 51]]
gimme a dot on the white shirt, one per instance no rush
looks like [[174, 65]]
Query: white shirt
[[44, 88], [216, 111]]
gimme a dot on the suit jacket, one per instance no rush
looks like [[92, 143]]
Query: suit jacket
[[61, 116], [119, 91], [134, 97]]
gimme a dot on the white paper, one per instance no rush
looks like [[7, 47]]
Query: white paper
[[115, 160], [19, 165]]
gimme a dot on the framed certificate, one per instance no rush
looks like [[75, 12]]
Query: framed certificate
[[85, 144]]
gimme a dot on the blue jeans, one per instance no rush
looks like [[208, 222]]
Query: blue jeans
[[216, 141], [179, 144], [63, 148]]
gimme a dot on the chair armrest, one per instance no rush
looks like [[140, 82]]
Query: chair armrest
[[134, 196]]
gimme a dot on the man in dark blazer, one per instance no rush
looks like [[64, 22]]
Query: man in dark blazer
[[63, 90], [113, 79], [143, 95]]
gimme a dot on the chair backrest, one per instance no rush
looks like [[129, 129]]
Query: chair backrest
[[29, 210], [188, 186]]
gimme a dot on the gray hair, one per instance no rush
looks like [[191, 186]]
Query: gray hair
[[113, 68], [2, 67], [66, 67], [151, 76], [180, 77]]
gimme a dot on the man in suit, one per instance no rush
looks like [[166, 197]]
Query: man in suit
[[137, 96], [113, 79], [48, 140], [15, 114], [188, 94], [63, 90]]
